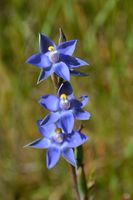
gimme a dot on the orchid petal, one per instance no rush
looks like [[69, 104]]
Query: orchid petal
[[67, 47], [52, 157], [84, 100], [78, 63], [67, 122], [76, 139], [49, 102], [44, 43], [82, 115], [72, 62], [68, 154], [41, 143], [44, 74], [46, 130], [61, 69], [68, 60], [39, 60], [51, 118], [66, 88], [74, 103]]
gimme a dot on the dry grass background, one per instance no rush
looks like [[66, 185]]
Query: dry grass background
[[104, 30]]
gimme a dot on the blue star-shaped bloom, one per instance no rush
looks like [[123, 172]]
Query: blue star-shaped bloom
[[64, 107], [56, 59], [58, 143]]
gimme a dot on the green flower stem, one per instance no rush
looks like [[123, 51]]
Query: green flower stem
[[74, 182], [81, 180]]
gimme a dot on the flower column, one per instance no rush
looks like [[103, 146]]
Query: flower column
[[57, 131]]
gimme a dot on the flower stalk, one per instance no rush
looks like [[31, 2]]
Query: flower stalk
[[81, 179], [62, 38], [58, 135], [78, 173]]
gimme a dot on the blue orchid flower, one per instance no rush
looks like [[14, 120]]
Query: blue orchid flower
[[58, 142], [64, 108], [56, 59]]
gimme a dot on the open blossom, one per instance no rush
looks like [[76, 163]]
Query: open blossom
[[56, 59], [58, 143], [64, 107]]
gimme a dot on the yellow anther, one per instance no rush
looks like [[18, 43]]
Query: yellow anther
[[50, 48], [58, 130], [63, 97]]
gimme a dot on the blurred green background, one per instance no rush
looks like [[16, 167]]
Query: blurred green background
[[104, 30]]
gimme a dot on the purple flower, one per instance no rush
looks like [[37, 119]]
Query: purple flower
[[58, 143], [56, 59], [64, 107]]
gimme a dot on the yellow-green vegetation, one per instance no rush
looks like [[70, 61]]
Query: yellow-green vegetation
[[104, 30]]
